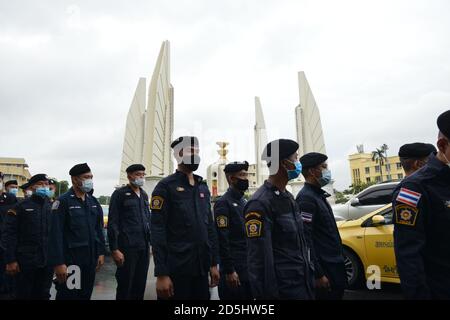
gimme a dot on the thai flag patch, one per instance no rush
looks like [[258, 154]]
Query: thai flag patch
[[306, 217], [409, 197]]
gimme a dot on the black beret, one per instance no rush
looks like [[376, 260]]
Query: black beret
[[79, 169], [135, 167], [37, 178], [416, 150], [25, 186], [187, 141], [285, 147], [443, 123], [7, 183], [235, 166], [312, 159], [51, 181]]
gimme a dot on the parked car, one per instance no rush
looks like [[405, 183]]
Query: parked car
[[369, 241], [367, 201]]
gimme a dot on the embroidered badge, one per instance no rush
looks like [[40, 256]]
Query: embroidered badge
[[252, 214], [222, 221], [406, 215], [157, 203], [409, 197], [12, 212], [55, 205], [307, 217], [180, 189], [253, 228]]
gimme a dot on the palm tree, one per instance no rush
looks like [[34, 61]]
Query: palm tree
[[380, 156]]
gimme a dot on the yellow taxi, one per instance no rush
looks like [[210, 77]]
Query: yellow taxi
[[368, 241]]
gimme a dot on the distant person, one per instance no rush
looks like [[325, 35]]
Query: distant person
[[184, 239], [414, 156], [320, 224], [422, 222], [27, 192], [129, 235], [279, 264], [25, 239], [52, 187], [76, 238], [229, 217]]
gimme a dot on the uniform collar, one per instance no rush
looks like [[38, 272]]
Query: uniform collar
[[184, 177], [274, 189], [435, 163], [317, 190], [235, 194], [37, 199]]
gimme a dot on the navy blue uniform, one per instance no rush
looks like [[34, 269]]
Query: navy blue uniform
[[422, 232], [76, 239], [7, 201], [324, 239], [184, 239], [25, 239], [279, 264], [129, 232], [229, 215]]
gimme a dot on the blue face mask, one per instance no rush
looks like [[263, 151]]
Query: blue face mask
[[293, 174], [326, 178], [13, 191], [51, 193], [87, 185], [42, 192]]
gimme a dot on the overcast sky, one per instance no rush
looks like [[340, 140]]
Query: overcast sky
[[379, 70]]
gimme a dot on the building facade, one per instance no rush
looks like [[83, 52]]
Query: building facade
[[364, 170], [15, 169]]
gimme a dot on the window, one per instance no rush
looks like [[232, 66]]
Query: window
[[399, 165], [389, 177], [367, 170], [377, 169], [400, 175], [377, 197], [367, 180], [388, 167], [377, 179]]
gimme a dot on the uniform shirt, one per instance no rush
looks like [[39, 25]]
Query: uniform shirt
[[26, 232], [128, 219], [229, 216], [422, 231], [279, 265], [321, 228], [76, 233], [184, 239]]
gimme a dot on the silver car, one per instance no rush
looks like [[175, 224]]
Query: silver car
[[368, 200]]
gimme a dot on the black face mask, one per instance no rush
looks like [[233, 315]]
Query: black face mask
[[191, 162], [241, 184]]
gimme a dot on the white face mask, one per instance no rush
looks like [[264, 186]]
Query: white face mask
[[28, 193]]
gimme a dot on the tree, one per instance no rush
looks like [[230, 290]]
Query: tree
[[61, 187], [380, 156], [104, 200]]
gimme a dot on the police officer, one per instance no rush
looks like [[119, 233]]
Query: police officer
[[129, 235], [7, 201], [414, 156], [229, 216], [52, 186], [25, 239], [76, 241], [184, 239], [320, 225], [27, 192], [421, 217], [279, 266]]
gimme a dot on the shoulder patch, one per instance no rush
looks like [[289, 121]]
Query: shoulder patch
[[306, 217], [12, 212], [55, 205], [222, 221], [253, 228], [406, 215], [157, 203], [408, 197]]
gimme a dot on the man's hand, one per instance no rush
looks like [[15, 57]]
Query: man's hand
[[100, 263], [61, 273], [164, 287], [323, 283], [12, 268], [118, 258], [215, 277], [233, 280]]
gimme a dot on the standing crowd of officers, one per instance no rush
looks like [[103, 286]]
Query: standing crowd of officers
[[273, 246]]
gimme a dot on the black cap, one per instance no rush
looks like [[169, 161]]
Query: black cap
[[37, 178], [443, 123], [79, 169], [7, 183], [312, 159], [135, 167], [186, 141], [285, 147], [235, 166], [25, 186], [416, 150]]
